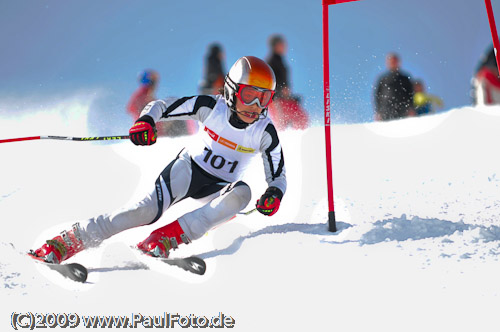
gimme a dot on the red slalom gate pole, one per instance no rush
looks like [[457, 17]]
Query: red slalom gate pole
[[332, 224], [493, 28]]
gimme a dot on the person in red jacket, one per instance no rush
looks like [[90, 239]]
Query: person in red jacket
[[145, 94], [287, 112], [486, 82]]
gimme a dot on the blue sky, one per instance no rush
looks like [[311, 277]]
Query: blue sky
[[54, 48]]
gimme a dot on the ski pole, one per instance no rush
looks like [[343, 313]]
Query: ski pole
[[244, 213], [65, 138], [248, 212]]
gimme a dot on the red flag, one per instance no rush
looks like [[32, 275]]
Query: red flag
[[334, 2]]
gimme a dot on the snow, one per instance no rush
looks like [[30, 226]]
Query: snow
[[417, 246]]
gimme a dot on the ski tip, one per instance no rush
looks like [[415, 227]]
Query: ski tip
[[72, 271], [192, 264], [35, 257], [196, 265], [78, 272]]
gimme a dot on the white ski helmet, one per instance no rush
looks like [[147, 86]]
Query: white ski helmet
[[254, 72]]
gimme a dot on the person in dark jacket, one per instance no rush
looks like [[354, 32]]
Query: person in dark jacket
[[286, 110], [394, 92], [214, 70], [277, 46]]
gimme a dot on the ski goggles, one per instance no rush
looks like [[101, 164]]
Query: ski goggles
[[249, 95]]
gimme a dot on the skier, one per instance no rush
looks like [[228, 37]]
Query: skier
[[235, 129]]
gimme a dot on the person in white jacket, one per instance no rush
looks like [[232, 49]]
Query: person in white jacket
[[234, 129]]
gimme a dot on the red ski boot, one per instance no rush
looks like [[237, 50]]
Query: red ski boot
[[61, 247], [159, 243]]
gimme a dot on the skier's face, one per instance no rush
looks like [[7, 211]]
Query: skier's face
[[247, 113]]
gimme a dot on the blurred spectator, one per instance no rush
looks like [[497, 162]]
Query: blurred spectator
[[394, 92], [148, 82], [278, 48], [486, 82], [286, 110], [214, 70], [422, 101]]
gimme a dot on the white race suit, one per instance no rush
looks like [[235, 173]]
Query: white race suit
[[211, 168]]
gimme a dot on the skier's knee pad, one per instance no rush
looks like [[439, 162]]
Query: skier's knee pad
[[241, 191]]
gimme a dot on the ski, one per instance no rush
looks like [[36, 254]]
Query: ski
[[73, 271], [191, 264]]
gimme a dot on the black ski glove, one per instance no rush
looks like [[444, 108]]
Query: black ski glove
[[143, 132], [269, 203]]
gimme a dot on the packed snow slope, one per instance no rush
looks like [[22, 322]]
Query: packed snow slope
[[417, 249]]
